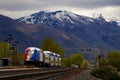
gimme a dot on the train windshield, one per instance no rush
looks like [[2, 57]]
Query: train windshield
[[51, 54]]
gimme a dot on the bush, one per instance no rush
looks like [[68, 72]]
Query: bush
[[114, 59], [106, 73]]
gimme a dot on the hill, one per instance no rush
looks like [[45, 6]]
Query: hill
[[69, 30], [95, 31]]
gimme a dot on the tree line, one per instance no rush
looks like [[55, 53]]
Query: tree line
[[48, 44], [113, 58], [109, 68]]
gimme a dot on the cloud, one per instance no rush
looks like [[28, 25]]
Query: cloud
[[18, 8], [17, 5]]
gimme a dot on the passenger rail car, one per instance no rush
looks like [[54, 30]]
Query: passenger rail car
[[51, 58]]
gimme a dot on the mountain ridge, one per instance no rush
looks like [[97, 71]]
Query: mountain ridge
[[33, 35], [61, 14], [97, 31], [73, 32]]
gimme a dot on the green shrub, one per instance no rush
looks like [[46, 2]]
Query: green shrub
[[106, 73], [114, 59]]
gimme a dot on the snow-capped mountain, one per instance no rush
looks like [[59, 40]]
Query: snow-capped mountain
[[57, 18], [117, 20], [33, 35], [70, 30], [64, 20], [96, 31]]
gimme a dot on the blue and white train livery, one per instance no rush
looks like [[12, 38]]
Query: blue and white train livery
[[33, 56], [38, 57]]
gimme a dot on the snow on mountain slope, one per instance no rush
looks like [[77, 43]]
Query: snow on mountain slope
[[96, 31], [58, 16], [114, 19], [68, 29]]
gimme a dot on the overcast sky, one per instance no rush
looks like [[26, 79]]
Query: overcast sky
[[19, 8]]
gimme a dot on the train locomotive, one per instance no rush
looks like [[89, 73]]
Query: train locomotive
[[38, 57]]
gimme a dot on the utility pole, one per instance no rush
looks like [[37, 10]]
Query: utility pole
[[11, 50], [100, 58], [16, 51], [10, 38]]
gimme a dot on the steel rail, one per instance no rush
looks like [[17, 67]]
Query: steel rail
[[28, 75]]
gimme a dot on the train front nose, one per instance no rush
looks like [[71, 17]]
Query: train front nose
[[26, 56]]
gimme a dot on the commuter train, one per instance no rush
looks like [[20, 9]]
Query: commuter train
[[38, 57]]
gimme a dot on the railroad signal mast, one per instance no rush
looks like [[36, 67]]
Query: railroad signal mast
[[96, 51], [12, 49], [89, 50]]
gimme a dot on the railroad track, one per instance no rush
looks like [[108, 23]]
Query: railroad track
[[37, 74], [5, 72], [63, 75]]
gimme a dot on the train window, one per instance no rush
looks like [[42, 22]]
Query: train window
[[32, 51], [52, 55], [38, 52]]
